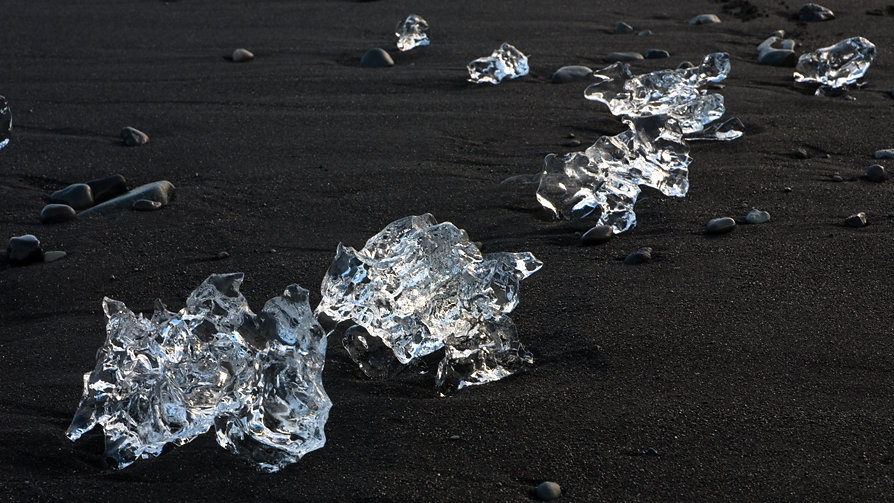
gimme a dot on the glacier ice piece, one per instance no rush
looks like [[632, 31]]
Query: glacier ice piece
[[5, 122], [170, 378], [419, 286], [837, 66], [411, 33], [505, 62]]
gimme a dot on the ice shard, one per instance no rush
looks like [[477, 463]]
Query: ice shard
[[505, 62], [170, 378], [5, 122], [419, 286], [836, 67], [411, 33]]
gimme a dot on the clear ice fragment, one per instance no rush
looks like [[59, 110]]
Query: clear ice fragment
[[411, 33], [419, 286], [505, 62], [836, 67], [5, 122], [170, 378]]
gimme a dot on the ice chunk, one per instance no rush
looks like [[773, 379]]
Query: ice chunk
[[5, 122], [837, 66], [505, 62], [168, 379], [411, 33], [419, 286]]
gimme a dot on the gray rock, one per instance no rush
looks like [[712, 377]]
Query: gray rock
[[887, 153], [876, 173], [376, 58], [134, 137], [52, 256], [705, 19], [778, 57], [720, 225], [684, 65], [640, 256], [161, 191], [786, 189], [146, 205], [24, 250], [107, 187], [573, 143], [623, 28], [644, 33], [814, 13], [548, 491], [858, 220], [571, 73], [655, 54], [625, 57], [57, 213], [79, 196], [801, 153], [241, 55], [837, 178], [756, 216], [597, 235]]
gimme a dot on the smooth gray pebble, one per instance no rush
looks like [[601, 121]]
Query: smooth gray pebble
[[756, 216], [876, 173], [57, 213], [133, 137], [655, 54], [720, 225], [24, 249], [77, 195], [623, 28], [548, 491], [376, 58], [597, 235], [624, 57], [885, 153], [856, 220], [640, 256], [241, 55], [705, 19], [814, 13], [571, 73]]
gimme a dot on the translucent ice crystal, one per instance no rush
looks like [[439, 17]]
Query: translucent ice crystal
[[837, 66], [505, 62], [5, 122], [419, 286], [168, 379], [411, 33]]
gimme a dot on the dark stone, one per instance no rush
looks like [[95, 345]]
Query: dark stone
[[786, 189], [886, 153], [134, 137], [621, 28], [79, 196], [573, 143], [655, 54], [24, 250], [684, 65], [644, 33], [705, 19], [837, 178], [376, 58], [161, 191], [857, 220], [720, 225], [778, 57], [57, 213], [814, 13], [146, 205], [52, 256], [548, 491], [801, 153], [625, 57], [107, 187], [876, 173], [571, 73], [640, 256], [242, 55], [597, 235]]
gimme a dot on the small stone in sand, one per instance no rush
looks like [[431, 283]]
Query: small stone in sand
[[146, 205], [876, 173], [886, 153], [858, 220], [573, 143], [655, 54], [222, 255], [571, 73], [644, 33], [705, 19], [241, 55], [814, 13], [801, 153], [79, 196], [548, 491], [597, 235], [786, 189], [624, 57], [756, 216], [52, 256], [376, 58], [623, 28], [720, 225], [24, 250], [684, 65], [57, 213], [134, 137], [640, 256], [107, 187], [836, 177], [778, 57]]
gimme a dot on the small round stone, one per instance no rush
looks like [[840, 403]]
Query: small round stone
[[52, 256], [597, 235], [684, 65], [625, 57], [79, 196], [640, 256], [857, 220], [655, 54], [837, 178], [107, 187], [623, 28], [548, 491], [705, 19], [241, 55], [376, 58], [756, 216], [573, 143], [814, 13], [876, 173], [24, 250], [57, 213], [720, 225], [644, 33], [571, 73], [146, 205], [801, 153], [134, 137], [778, 57], [786, 189], [222, 255], [887, 153]]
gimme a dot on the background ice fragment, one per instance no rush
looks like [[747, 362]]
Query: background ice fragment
[[419, 286], [505, 62], [837, 66], [411, 33], [170, 378], [5, 122]]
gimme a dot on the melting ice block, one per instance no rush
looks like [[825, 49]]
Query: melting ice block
[[505, 62], [837, 66], [5, 122], [411, 33], [170, 378], [419, 286]]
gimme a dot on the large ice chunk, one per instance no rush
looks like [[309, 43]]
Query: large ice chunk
[[5, 122], [168, 379], [411, 33], [419, 286], [836, 67], [505, 62]]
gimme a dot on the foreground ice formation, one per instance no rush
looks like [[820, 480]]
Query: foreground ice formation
[[836, 67], [411, 33], [5, 122], [419, 286], [168, 379], [505, 62]]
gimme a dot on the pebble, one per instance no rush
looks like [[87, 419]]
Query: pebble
[[837, 178], [614, 57], [801, 153], [597, 235], [876, 173], [705, 19], [640, 256], [655, 54], [623, 28], [79, 196], [858, 220], [887, 153], [778, 57], [644, 33], [756, 216], [786, 189], [57, 213], [571, 73], [720, 225], [376, 58], [241, 55], [107, 187], [684, 65], [548, 491], [24, 250], [222, 255], [134, 137], [146, 205], [573, 143], [814, 13], [161, 191], [52, 256]]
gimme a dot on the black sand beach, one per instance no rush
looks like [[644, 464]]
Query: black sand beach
[[753, 366]]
